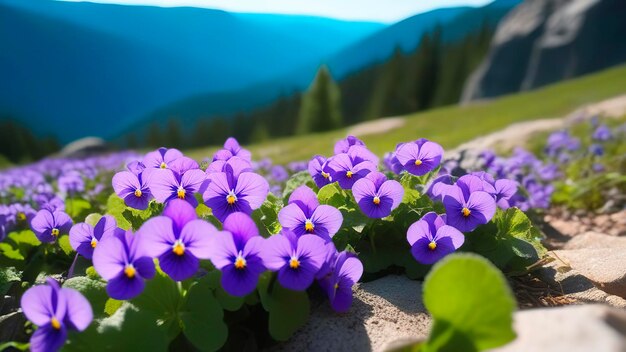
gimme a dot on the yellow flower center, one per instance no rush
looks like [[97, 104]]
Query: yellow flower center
[[308, 226], [294, 263], [56, 324], [129, 271], [418, 162], [55, 232], [325, 174], [432, 245], [163, 165], [178, 248], [466, 212], [349, 174], [21, 216], [231, 198], [336, 286], [94, 242], [376, 200], [240, 263], [181, 193], [138, 193]]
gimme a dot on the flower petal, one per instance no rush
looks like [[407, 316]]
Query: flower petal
[[157, 235], [196, 236], [79, 311]]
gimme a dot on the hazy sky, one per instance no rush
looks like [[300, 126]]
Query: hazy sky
[[372, 10]]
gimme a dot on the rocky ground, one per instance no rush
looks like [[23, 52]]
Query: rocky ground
[[583, 284]]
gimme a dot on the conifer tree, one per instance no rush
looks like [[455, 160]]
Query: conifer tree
[[321, 105]]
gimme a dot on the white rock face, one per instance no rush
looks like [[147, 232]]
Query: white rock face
[[590, 328]]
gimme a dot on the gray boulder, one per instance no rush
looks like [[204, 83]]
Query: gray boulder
[[545, 41], [586, 328], [383, 311]]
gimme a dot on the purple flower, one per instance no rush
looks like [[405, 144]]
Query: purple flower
[[504, 192], [132, 188], [20, 214], [71, 183], [467, 205], [596, 149], [136, 167], [347, 168], [181, 181], [54, 310], [296, 259], [560, 141], [279, 174], [48, 226], [419, 159], [319, 171], [236, 251], [344, 145], [161, 158], [235, 190], [304, 215], [233, 146], [346, 270], [122, 261], [487, 179], [84, 237], [376, 195], [392, 163], [178, 239], [431, 239], [439, 187], [602, 133]]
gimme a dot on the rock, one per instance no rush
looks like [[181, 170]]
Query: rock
[[587, 328], [383, 311], [573, 285], [594, 240], [605, 267], [545, 41], [84, 147]]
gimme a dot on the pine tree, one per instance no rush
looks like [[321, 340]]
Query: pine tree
[[321, 105]]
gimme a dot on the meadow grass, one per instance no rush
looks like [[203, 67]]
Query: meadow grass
[[453, 125]]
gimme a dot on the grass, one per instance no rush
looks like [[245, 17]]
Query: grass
[[453, 125]]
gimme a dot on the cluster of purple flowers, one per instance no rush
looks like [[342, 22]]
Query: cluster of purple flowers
[[34, 196], [355, 168]]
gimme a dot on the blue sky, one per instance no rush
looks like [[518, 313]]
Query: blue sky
[[372, 10]]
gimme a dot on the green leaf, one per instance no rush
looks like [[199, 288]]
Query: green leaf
[[93, 218], [115, 207], [296, 180], [128, 330], [471, 305], [510, 241], [8, 275], [162, 297], [111, 306], [202, 318], [10, 253], [64, 244], [93, 290], [227, 301], [266, 217], [332, 194], [77, 208], [289, 310], [24, 239]]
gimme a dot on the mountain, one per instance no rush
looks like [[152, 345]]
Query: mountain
[[455, 23], [84, 68], [546, 41]]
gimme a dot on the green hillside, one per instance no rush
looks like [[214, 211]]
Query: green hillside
[[453, 125]]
